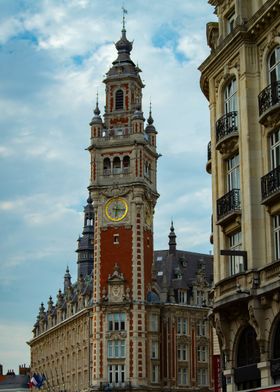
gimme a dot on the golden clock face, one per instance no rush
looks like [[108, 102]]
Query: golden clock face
[[116, 209]]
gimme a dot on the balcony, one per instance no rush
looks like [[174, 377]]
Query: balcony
[[208, 164], [270, 185], [227, 132], [269, 103], [228, 206]]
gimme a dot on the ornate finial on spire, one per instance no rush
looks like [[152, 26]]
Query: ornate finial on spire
[[172, 239], [96, 110], [124, 12], [150, 119]]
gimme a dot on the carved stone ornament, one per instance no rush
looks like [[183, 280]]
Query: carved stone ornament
[[228, 146], [116, 191], [116, 289]]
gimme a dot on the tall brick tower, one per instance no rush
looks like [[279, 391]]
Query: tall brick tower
[[123, 189]]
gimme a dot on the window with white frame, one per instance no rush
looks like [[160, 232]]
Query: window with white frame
[[154, 322], [182, 326], [230, 22], [183, 376], [233, 173], [275, 149], [154, 349], [182, 352], [274, 65], [201, 328], [155, 373], [276, 235], [236, 263], [116, 321], [182, 296], [116, 348], [202, 376], [116, 374], [202, 353], [230, 96]]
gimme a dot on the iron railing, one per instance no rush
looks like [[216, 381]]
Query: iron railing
[[269, 97], [226, 125], [229, 203], [270, 183]]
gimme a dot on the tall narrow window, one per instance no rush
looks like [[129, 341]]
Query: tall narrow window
[[230, 22], [274, 65], [236, 263], [116, 165], [202, 376], [183, 376], [230, 96], [276, 235], [119, 99], [106, 167], [126, 164], [275, 149], [233, 173]]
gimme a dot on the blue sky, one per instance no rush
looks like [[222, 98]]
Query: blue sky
[[53, 57]]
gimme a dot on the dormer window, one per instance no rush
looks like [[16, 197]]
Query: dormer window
[[119, 100]]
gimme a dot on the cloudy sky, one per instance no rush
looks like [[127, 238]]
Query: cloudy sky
[[53, 57]]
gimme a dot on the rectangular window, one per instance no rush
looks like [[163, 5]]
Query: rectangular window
[[182, 376], [275, 149], [182, 352], [201, 328], [202, 376], [155, 373], [116, 239], [276, 234], [182, 326], [154, 350], [200, 297], [116, 348], [116, 321], [233, 173], [116, 375], [230, 22], [202, 354], [236, 263], [182, 296], [154, 322]]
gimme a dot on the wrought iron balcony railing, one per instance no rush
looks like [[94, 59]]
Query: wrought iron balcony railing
[[226, 125], [269, 97], [270, 183], [209, 151], [229, 203]]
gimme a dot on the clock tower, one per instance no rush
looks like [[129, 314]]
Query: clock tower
[[123, 190]]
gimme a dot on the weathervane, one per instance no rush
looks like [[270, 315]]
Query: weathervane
[[124, 12]]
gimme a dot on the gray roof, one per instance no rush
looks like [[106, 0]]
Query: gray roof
[[14, 381]]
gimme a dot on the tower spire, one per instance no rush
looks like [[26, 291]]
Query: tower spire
[[124, 12], [172, 239]]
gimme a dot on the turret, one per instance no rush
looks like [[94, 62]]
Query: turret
[[150, 129], [96, 123], [85, 242], [172, 240]]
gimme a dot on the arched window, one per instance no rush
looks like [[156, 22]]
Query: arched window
[[230, 96], [106, 167], [126, 164], [116, 165], [274, 65], [248, 351], [247, 374], [276, 343], [119, 100]]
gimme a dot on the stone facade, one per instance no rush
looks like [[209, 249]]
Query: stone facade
[[135, 319], [240, 79]]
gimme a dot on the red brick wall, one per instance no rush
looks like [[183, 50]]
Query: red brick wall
[[116, 253]]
